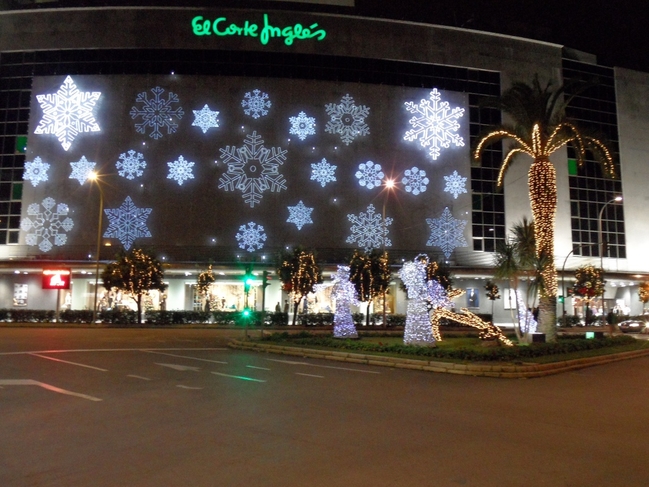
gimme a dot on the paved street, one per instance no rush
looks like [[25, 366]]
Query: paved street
[[176, 408]]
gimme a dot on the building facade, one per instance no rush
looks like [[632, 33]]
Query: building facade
[[223, 136]]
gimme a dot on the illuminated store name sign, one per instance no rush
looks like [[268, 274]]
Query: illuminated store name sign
[[56, 278], [220, 27]]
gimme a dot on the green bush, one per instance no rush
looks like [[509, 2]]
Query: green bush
[[75, 316], [119, 317], [19, 315]]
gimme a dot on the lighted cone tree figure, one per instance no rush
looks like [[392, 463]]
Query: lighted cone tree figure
[[418, 330], [370, 273], [299, 273], [589, 284], [538, 128], [136, 272], [344, 294]]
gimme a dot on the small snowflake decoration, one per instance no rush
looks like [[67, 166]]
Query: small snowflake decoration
[[251, 237], [36, 171], [255, 104], [127, 223], [205, 119], [323, 172], [369, 230], [302, 126], [180, 170], [130, 164], [455, 184], [446, 232], [300, 215], [82, 169], [415, 181], [157, 113], [48, 226], [434, 124], [369, 175], [68, 112], [347, 119], [253, 169]]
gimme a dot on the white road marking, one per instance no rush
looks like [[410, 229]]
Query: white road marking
[[180, 367], [239, 377], [291, 362], [184, 356], [311, 375], [258, 368], [138, 377], [67, 362], [188, 387], [139, 349], [30, 382]]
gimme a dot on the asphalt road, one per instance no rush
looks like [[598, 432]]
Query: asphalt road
[[176, 408]]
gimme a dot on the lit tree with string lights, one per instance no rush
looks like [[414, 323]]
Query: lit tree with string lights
[[135, 272], [539, 127], [299, 273], [203, 283], [371, 275], [589, 284], [643, 294]]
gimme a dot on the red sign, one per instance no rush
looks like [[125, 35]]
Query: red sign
[[56, 278]]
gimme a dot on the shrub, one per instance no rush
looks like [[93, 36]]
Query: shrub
[[30, 315], [76, 316]]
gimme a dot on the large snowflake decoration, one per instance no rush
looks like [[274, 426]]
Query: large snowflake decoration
[[127, 223], [369, 175], [36, 171], [251, 237], [48, 226], [455, 184], [446, 232], [323, 172], [82, 169], [180, 170], [434, 124], [369, 230], [255, 104], [253, 169], [347, 119], [415, 181], [205, 118], [302, 126], [157, 113], [130, 164], [300, 215], [68, 112]]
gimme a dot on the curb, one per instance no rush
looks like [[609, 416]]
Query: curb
[[503, 371]]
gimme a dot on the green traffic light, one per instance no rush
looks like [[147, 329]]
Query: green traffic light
[[246, 312]]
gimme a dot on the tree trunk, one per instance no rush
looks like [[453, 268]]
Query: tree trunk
[[367, 316], [543, 198], [296, 305], [139, 309]]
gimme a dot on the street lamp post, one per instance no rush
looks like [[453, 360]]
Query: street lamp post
[[95, 177], [600, 242], [389, 184]]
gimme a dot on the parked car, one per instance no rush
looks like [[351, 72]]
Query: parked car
[[633, 326]]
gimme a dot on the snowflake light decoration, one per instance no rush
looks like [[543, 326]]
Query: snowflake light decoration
[[345, 295], [434, 124], [347, 119], [369, 230], [205, 119], [300, 215], [82, 169], [415, 181], [68, 112], [255, 104], [369, 175], [446, 232], [36, 171], [455, 184], [323, 172], [127, 223], [130, 164], [157, 113], [251, 237], [180, 170], [253, 169], [48, 226], [302, 126]]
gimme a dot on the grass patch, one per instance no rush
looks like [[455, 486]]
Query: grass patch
[[467, 349]]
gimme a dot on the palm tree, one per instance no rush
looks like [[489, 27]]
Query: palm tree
[[539, 128]]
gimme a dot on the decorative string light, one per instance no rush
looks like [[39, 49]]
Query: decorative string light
[[418, 329], [344, 294]]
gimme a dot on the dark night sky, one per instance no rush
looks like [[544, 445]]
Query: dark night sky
[[616, 31]]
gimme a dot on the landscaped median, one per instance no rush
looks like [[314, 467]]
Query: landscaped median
[[501, 369]]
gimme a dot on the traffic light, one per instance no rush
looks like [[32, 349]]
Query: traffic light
[[246, 313], [561, 298], [247, 280], [265, 279]]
